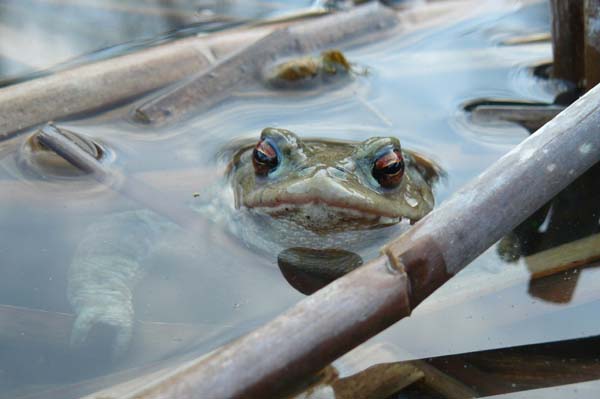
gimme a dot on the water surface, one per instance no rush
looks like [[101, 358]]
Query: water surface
[[416, 89]]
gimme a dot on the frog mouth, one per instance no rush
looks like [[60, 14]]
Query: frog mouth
[[359, 207], [324, 216]]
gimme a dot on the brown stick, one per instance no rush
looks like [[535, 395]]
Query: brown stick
[[531, 116], [566, 256], [378, 381], [567, 39], [356, 306], [97, 85], [371, 362], [110, 82], [592, 42], [442, 383]]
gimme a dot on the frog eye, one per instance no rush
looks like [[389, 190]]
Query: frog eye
[[264, 157], [389, 168]]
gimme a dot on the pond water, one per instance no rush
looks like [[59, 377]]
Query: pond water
[[210, 290], [39, 36]]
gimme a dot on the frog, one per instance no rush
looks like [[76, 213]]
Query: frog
[[282, 192]]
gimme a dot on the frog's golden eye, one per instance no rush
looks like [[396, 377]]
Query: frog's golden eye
[[388, 168], [264, 157]]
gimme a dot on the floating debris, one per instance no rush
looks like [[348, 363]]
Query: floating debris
[[531, 116], [37, 159], [310, 71]]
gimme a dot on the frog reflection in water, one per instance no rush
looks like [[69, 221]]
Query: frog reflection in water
[[287, 192]]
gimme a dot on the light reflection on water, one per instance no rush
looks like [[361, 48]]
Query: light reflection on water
[[417, 86]]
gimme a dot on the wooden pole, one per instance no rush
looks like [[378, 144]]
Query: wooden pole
[[592, 43], [567, 40], [353, 308]]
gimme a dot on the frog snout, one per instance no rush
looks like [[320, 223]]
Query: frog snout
[[334, 172], [325, 183]]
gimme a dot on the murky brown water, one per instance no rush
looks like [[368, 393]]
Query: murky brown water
[[416, 91]]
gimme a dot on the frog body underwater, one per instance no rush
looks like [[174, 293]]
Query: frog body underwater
[[284, 192]]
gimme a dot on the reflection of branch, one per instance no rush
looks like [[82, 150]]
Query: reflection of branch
[[552, 261], [385, 376], [531, 116], [563, 257]]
